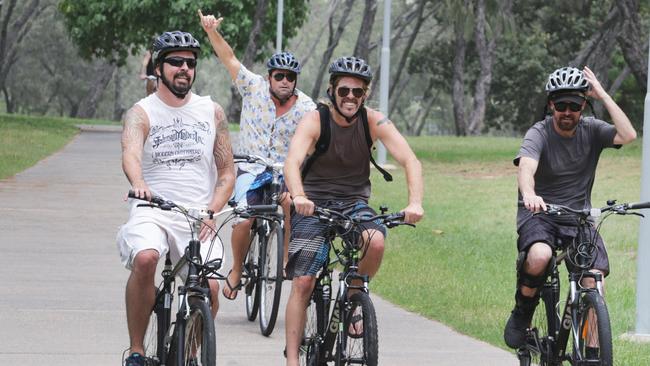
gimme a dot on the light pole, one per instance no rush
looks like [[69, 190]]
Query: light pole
[[278, 30], [643, 252], [383, 78]]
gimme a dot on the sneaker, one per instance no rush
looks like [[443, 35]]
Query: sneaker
[[135, 359], [592, 353]]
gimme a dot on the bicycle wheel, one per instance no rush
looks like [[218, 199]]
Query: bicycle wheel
[[271, 277], [595, 334], [310, 352], [537, 349], [251, 266], [194, 337], [154, 337], [359, 342]]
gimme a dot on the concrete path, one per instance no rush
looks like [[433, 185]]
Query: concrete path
[[62, 294]]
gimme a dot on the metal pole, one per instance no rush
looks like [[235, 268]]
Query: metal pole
[[643, 252], [278, 35], [383, 78]]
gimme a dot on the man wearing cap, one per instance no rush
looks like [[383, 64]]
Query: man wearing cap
[[271, 110], [557, 164]]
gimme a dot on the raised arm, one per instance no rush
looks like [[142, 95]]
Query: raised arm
[[219, 45], [223, 160], [526, 182], [625, 133], [302, 143], [134, 133], [400, 150]]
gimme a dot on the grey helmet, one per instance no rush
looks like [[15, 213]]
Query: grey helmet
[[174, 41], [351, 66], [566, 78], [284, 61]]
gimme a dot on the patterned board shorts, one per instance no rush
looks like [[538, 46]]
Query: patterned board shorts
[[309, 248]]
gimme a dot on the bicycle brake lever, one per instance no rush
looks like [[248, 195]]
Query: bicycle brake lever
[[146, 205]]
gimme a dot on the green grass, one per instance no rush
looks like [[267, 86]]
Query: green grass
[[458, 265], [26, 140]]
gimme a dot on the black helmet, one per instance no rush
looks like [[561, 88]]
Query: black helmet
[[284, 61], [174, 41], [566, 79], [351, 66]]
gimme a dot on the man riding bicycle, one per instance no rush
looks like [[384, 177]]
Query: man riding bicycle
[[557, 164], [337, 177], [271, 110], [175, 144]]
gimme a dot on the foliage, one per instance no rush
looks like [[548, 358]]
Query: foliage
[[112, 29]]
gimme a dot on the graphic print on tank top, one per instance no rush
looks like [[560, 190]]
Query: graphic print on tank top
[[178, 143]]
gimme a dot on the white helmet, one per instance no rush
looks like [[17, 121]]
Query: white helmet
[[566, 78]]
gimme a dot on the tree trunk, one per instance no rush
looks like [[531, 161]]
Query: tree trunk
[[321, 30], [458, 79], [88, 105], [587, 52], [118, 108], [361, 49], [409, 45], [630, 40], [234, 108], [332, 42]]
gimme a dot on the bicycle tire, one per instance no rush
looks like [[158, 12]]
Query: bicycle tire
[[310, 352], [194, 342], [154, 338], [362, 350], [252, 268], [593, 303], [271, 277]]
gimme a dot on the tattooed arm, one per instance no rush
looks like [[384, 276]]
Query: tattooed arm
[[223, 159], [134, 133]]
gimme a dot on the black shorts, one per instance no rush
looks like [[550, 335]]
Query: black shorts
[[542, 229], [308, 248]]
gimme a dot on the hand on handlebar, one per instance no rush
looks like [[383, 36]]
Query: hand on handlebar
[[207, 230], [534, 203], [413, 213], [303, 205], [141, 190]]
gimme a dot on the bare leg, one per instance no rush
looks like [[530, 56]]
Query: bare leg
[[286, 208], [240, 240], [536, 262], [140, 296], [301, 288]]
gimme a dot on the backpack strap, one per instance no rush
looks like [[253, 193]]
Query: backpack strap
[[366, 130], [323, 139]]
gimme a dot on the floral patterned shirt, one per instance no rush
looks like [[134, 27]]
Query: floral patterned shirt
[[261, 132]]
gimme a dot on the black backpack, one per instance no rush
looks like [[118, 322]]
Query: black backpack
[[324, 141]]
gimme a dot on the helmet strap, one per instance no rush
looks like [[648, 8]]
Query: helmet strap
[[336, 107], [170, 85]]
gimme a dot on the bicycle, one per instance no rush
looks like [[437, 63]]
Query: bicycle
[[190, 340], [263, 266], [324, 339], [585, 319]]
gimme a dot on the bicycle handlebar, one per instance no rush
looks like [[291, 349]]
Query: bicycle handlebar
[[163, 204], [616, 208], [255, 159], [390, 220]]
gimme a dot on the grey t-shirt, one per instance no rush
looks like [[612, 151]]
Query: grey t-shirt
[[566, 165]]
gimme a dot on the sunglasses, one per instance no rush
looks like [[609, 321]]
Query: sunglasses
[[344, 91], [291, 77], [179, 61], [562, 106]]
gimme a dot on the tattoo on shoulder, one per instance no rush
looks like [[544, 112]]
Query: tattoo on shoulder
[[222, 149], [384, 120], [135, 126]]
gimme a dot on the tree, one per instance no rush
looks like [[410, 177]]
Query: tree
[[15, 24]]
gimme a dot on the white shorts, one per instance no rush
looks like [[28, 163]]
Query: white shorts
[[163, 231]]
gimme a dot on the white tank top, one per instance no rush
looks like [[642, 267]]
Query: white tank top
[[178, 161]]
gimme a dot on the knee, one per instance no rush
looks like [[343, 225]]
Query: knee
[[537, 259], [376, 245], [302, 286], [145, 262]]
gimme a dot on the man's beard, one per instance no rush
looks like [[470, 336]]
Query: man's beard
[[568, 123], [179, 90]]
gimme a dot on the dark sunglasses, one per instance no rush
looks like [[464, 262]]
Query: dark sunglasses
[[291, 77], [179, 61], [344, 91], [562, 106]]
